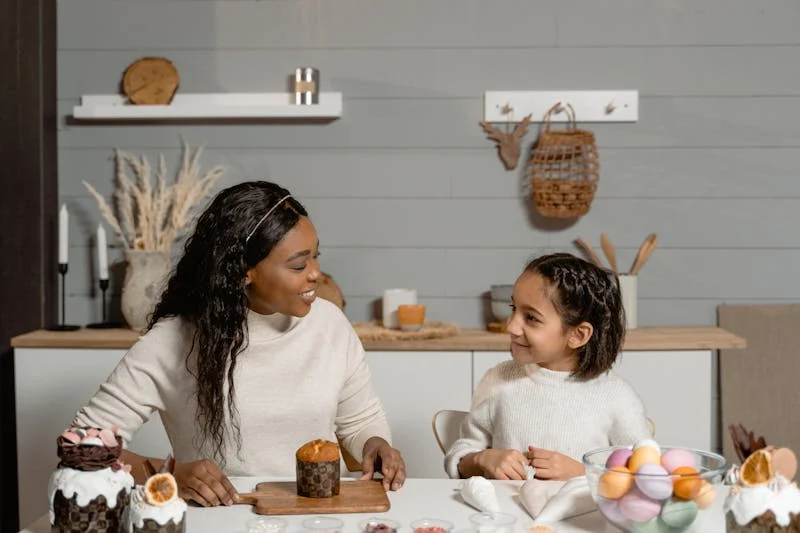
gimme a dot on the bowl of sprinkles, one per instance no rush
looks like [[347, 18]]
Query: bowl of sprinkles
[[378, 525]]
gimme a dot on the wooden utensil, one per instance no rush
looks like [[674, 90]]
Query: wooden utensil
[[644, 253], [590, 253], [280, 498], [608, 249]]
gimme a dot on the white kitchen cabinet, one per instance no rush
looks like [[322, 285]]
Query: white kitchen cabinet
[[413, 386]]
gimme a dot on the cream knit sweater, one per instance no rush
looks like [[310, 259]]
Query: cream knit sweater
[[298, 379], [519, 405]]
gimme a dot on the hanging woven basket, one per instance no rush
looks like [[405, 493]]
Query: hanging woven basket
[[564, 169]]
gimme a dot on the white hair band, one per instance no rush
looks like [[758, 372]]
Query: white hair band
[[271, 209]]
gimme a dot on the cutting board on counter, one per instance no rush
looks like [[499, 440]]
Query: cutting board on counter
[[280, 498]]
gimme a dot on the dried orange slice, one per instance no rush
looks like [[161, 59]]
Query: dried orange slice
[[687, 482], [160, 489], [757, 469]]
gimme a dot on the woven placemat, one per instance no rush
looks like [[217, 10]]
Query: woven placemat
[[374, 331]]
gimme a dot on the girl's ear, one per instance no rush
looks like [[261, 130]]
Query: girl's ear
[[580, 335], [248, 278]]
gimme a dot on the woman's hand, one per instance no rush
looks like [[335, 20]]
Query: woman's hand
[[204, 483], [554, 465], [502, 464], [379, 455]]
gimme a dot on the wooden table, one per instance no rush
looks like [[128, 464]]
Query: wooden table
[[419, 498], [638, 339]]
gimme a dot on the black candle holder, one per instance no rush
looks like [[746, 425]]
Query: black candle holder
[[105, 324], [63, 326]]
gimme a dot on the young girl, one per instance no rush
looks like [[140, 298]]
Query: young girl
[[556, 399]]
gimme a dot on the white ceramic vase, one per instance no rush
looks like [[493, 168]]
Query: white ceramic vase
[[145, 278]]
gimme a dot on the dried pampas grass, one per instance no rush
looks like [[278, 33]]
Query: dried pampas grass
[[152, 215]]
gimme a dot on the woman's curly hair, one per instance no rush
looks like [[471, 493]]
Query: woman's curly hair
[[207, 290], [584, 292]]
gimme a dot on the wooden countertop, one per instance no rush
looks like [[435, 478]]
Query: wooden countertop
[[639, 339]]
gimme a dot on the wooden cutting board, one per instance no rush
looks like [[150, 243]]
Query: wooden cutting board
[[280, 498]]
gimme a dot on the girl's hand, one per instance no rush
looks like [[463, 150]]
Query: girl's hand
[[502, 464], [204, 483], [379, 455], [554, 465]]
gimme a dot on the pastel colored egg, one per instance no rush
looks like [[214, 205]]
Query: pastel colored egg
[[784, 461], [639, 507], [654, 481], [688, 483], [644, 455], [610, 509], [619, 457], [656, 525], [614, 483], [679, 514], [677, 457], [705, 495], [647, 442]]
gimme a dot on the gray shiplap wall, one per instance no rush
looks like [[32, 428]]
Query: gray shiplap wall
[[405, 189]]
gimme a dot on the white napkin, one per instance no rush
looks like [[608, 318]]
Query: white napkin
[[479, 492], [553, 501]]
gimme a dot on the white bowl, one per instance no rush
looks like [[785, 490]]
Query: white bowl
[[501, 310], [501, 292]]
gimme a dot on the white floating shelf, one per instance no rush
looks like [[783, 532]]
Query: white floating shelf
[[211, 105], [589, 106]]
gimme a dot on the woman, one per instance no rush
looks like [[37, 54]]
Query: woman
[[241, 360]]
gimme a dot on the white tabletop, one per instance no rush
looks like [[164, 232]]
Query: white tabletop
[[419, 498]]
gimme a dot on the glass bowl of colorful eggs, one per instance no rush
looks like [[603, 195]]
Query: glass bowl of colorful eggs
[[648, 488]]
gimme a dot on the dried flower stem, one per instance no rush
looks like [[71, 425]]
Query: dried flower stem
[[152, 217]]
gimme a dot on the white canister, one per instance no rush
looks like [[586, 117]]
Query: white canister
[[628, 286], [392, 298]]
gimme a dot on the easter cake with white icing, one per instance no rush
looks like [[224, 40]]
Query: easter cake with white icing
[[764, 497], [90, 488]]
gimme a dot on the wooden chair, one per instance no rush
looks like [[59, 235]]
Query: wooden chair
[[446, 426]]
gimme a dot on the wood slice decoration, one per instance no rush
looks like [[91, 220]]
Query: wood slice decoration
[[150, 81]]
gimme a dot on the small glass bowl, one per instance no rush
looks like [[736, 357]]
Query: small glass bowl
[[493, 522], [323, 524], [266, 524], [376, 524], [431, 525]]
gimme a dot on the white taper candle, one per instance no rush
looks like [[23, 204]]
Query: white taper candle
[[63, 235], [102, 252]]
